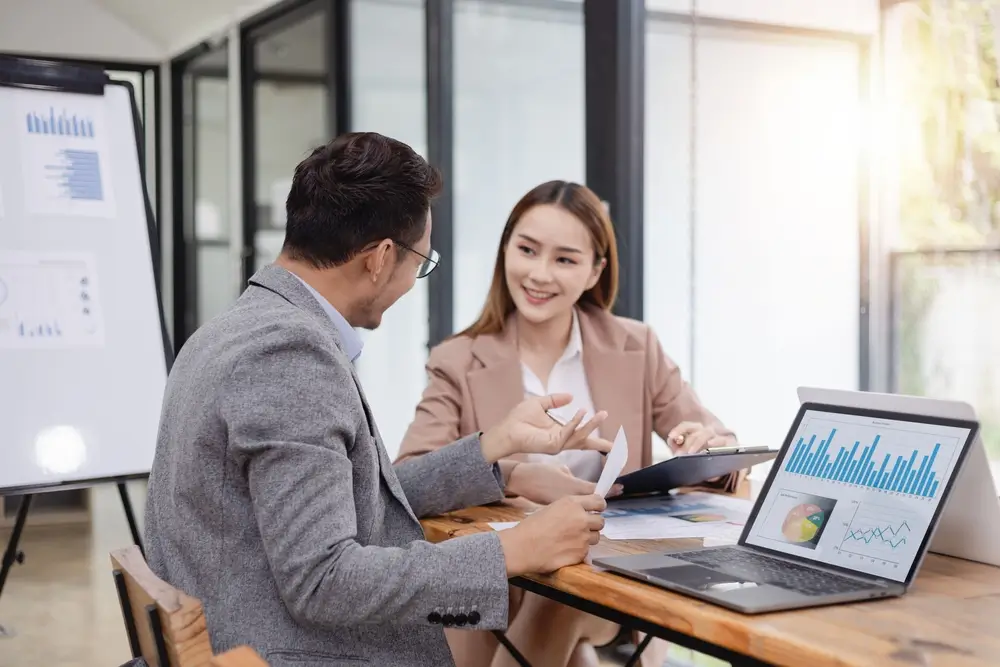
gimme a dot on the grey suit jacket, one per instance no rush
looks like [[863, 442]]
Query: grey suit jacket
[[272, 499]]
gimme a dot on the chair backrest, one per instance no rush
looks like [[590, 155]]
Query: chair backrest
[[241, 656], [164, 625]]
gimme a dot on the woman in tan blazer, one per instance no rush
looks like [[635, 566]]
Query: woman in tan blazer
[[547, 327]]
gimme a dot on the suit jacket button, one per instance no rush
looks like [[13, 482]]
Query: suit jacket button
[[448, 620], [474, 618], [434, 618], [461, 619]]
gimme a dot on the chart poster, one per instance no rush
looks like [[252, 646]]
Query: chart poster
[[49, 301], [65, 155]]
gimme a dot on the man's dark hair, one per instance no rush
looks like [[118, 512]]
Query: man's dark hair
[[357, 190]]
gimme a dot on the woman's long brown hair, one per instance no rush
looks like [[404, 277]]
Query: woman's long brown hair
[[588, 209]]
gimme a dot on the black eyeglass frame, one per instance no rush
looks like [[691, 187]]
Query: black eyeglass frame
[[428, 265]]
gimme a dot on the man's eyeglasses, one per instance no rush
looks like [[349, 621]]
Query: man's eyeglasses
[[428, 264]]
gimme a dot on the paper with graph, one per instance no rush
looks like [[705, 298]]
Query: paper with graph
[[49, 301], [65, 155]]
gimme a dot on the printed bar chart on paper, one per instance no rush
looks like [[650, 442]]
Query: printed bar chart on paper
[[66, 162], [887, 459], [63, 124]]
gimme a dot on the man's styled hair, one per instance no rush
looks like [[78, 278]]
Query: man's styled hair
[[355, 191]]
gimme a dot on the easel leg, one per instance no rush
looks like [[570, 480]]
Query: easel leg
[[11, 554], [130, 516]]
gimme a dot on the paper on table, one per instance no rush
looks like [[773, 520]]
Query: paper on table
[[613, 465], [691, 515], [502, 525]]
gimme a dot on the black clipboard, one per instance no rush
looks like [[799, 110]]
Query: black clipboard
[[691, 470]]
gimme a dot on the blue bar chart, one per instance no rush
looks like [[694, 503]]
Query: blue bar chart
[[866, 465], [62, 125], [79, 174]]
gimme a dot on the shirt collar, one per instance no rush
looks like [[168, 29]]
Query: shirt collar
[[348, 334], [575, 345]]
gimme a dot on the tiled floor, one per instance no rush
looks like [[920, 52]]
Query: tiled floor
[[61, 603]]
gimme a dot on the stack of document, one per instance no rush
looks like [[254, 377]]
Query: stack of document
[[688, 515]]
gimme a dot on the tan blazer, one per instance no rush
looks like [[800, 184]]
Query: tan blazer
[[474, 383]]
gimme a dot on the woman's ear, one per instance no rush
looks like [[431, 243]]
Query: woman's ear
[[596, 273]]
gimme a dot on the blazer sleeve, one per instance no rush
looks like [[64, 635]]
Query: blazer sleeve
[[438, 415], [674, 401], [293, 442]]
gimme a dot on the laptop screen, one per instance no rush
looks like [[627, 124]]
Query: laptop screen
[[858, 491]]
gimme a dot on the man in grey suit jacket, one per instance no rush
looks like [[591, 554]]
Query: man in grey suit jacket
[[272, 498]]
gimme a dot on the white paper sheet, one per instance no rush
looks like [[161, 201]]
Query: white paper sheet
[[503, 525], [65, 155], [49, 300], [613, 464]]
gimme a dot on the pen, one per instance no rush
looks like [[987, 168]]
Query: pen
[[556, 418]]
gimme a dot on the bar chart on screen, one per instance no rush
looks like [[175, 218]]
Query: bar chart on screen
[[891, 459]]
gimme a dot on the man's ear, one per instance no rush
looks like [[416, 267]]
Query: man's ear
[[379, 259]]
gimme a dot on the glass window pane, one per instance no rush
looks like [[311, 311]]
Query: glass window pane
[[205, 188], [214, 269], [519, 121], [775, 284], [388, 96], [291, 117]]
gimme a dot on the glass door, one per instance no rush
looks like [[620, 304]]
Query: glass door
[[288, 111], [204, 265]]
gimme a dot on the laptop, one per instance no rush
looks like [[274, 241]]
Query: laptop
[[969, 527], [846, 514]]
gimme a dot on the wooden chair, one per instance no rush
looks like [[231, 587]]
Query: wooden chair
[[165, 626]]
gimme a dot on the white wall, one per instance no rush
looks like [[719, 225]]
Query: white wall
[[72, 28]]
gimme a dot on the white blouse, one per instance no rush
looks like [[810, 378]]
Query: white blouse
[[568, 376]]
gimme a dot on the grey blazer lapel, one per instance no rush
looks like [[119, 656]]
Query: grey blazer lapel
[[384, 464], [279, 281]]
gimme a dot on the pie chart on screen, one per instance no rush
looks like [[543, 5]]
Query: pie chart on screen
[[803, 523]]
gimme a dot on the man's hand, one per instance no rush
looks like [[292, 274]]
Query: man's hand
[[553, 537], [544, 484], [692, 437], [528, 429]]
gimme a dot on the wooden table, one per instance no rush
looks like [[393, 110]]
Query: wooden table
[[951, 617]]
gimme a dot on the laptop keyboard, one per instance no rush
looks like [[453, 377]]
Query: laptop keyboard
[[762, 569]]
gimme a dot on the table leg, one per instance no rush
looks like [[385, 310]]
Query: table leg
[[518, 658], [634, 660]]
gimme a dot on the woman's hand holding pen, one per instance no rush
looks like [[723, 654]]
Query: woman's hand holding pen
[[529, 429], [693, 437]]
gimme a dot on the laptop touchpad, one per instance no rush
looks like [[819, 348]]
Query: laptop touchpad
[[699, 578]]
